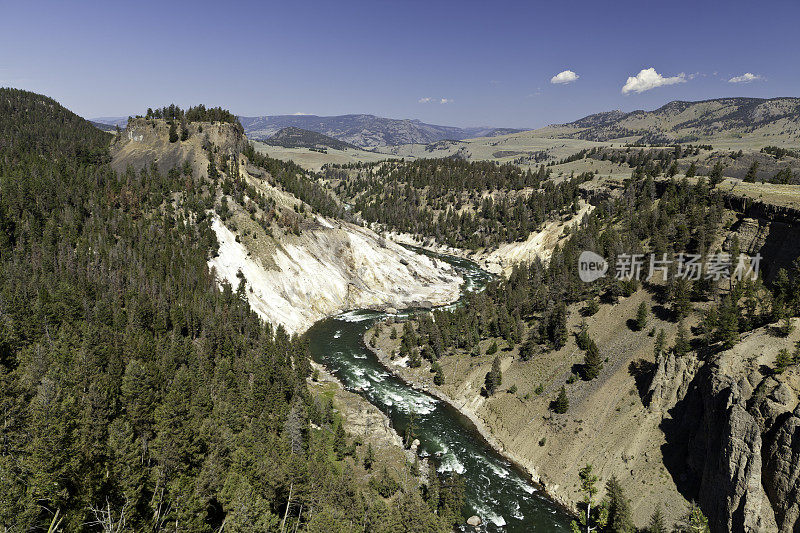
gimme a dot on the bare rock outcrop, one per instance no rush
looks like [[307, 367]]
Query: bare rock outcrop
[[782, 472], [775, 241], [329, 269], [734, 434], [671, 380], [146, 141]]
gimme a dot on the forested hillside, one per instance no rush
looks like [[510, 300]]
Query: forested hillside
[[135, 394], [462, 204]]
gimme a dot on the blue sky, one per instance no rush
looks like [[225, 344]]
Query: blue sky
[[492, 62]]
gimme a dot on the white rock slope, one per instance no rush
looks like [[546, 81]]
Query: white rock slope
[[332, 268]]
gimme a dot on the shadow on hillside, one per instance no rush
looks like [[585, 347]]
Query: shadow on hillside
[[679, 426], [662, 313], [642, 372]]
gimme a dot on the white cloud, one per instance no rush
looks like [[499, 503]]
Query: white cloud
[[747, 77], [300, 113], [566, 76], [431, 100], [648, 79]]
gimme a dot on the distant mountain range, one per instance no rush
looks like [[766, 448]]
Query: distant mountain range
[[690, 121], [292, 137], [104, 126], [365, 131], [111, 121], [759, 119]]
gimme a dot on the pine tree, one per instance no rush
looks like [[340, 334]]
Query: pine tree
[[369, 457], [438, 377], [681, 305], [785, 327], [682, 345], [558, 326], [673, 169], [528, 349], [782, 361], [660, 344], [173, 133], [657, 522], [619, 508], [641, 316], [339, 441], [694, 521], [582, 338], [715, 176], [592, 363], [586, 521], [750, 177], [561, 403], [494, 378], [728, 323]]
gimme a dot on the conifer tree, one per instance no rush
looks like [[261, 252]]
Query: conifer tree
[[592, 363], [586, 520], [660, 344], [782, 361], [339, 440], [369, 457], [694, 521], [438, 377], [561, 403], [494, 378], [750, 177], [682, 345], [641, 316], [657, 522], [619, 509], [728, 323]]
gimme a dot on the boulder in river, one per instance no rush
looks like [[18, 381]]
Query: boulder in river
[[474, 521]]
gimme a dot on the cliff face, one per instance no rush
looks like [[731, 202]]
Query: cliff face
[[144, 142], [329, 268], [777, 242], [732, 433]]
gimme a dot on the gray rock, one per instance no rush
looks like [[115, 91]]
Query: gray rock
[[782, 473]]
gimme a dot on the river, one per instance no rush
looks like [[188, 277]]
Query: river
[[496, 490]]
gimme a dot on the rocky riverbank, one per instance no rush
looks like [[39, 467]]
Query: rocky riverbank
[[368, 424]]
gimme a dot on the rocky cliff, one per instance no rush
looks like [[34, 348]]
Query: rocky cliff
[[144, 142], [330, 267], [732, 433]]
